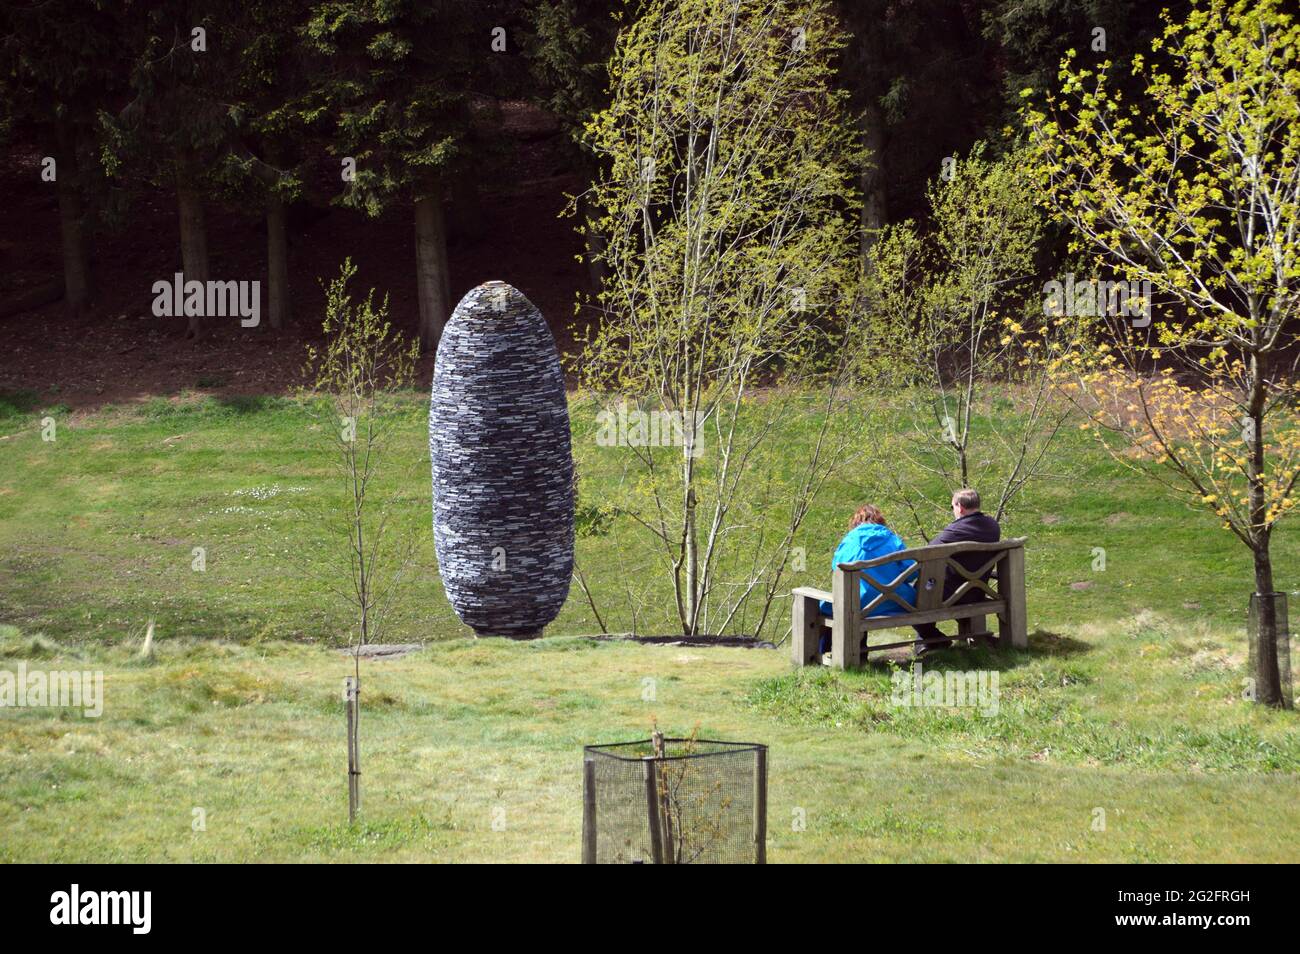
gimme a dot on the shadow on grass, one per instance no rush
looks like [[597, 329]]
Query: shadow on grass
[[1042, 643], [250, 403]]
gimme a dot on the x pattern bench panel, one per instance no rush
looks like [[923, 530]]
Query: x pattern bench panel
[[929, 570]]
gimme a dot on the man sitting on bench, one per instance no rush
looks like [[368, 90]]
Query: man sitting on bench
[[971, 525]]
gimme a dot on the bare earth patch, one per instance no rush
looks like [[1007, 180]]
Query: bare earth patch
[[742, 642], [384, 650]]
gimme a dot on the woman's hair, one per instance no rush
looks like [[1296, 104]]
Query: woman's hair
[[867, 513]]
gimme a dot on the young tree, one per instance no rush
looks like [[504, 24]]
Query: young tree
[[727, 199], [952, 303], [353, 379], [1195, 190]]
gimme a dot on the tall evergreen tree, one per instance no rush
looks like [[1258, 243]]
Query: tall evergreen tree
[[60, 62], [176, 129], [274, 120], [1033, 35], [403, 81], [570, 43], [919, 75]]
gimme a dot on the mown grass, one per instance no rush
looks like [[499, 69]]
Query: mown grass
[[1128, 700], [471, 753]]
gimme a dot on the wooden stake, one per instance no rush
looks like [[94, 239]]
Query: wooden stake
[[351, 691], [588, 811], [652, 810], [665, 797], [760, 805]]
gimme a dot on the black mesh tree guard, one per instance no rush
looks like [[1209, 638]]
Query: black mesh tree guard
[[701, 802]]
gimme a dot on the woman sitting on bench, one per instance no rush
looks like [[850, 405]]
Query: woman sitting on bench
[[868, 538]]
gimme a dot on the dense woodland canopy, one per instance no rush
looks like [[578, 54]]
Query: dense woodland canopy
[[436, 142]]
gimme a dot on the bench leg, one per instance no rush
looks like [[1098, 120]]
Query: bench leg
[[806, 629], [846, 645], [1012, 626], [974, 627], [846, 629]]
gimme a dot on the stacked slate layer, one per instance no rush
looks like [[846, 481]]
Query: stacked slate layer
[[502, 465]]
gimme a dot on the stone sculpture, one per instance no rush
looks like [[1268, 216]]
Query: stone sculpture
[[502, 462]]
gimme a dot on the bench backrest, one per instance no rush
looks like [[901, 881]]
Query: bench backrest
[[930, 569]]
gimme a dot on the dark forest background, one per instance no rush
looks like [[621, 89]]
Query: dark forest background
[[212, 138]]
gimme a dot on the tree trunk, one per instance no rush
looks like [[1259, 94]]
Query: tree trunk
[[277, 263], [872, 180], [194, 242], [692, 551], [593, 248], [1268, 685], [1268, 680], [76, 261], [433, 286]]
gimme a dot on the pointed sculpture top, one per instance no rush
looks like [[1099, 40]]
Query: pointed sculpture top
[[494, 299]]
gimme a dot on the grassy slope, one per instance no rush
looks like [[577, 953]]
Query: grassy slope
[[462, 730], [98, 527], [1134, 711]]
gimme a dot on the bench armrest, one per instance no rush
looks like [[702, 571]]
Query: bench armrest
[[812, 592]]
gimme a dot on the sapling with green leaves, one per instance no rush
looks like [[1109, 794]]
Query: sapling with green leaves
[[691, 802], [726, 195], [354, 378], [952, 303]]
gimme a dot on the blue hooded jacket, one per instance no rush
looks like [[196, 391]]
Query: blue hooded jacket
[[867, 541]]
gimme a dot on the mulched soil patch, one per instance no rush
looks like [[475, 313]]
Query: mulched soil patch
[[384, 650], [703, 642]]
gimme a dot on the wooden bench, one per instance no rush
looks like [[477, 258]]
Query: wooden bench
[[853, 622]]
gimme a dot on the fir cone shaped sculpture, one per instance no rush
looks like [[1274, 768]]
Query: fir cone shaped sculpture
[[502, 465]]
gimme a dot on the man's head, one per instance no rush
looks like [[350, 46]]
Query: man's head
[[965, 502]]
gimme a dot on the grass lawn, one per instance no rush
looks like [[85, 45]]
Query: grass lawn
[[1127, 700]]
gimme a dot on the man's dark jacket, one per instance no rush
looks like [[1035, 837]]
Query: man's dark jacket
[[977, 527]]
